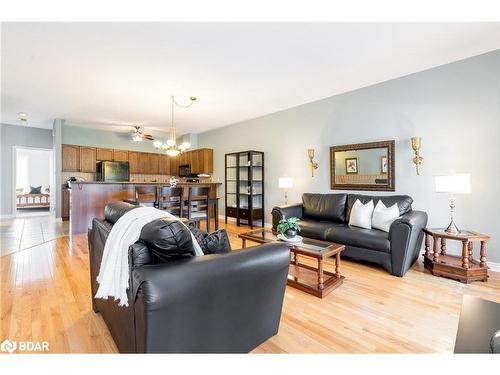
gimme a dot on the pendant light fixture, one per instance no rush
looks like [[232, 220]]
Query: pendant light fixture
[[170, 146]]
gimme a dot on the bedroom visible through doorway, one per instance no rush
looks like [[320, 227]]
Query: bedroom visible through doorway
[[34, 176]]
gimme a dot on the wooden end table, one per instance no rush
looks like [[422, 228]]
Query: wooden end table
[[463, 268], [313, 280]]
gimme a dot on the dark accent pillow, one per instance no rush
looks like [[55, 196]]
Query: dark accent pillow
[[213, 243], [168, 240], [216, 243], [35, 190]]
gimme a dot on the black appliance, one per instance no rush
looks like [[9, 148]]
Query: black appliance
[[184, 170], [113, 171]]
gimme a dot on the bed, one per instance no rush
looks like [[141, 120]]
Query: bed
[[32, 200]]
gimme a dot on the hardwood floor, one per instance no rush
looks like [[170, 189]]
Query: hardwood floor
[[45, 296]]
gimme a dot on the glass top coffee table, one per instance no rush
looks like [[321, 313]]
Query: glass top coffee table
[[310, 279]]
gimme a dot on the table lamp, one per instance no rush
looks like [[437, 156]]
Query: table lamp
[[453, 184], [285, 183]]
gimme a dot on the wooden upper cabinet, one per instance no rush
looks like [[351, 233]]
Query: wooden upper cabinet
[[207, 158], [104, 154], [70, 158], [144, 166], [184, 158], [87, 159], [133, 161], [154, 163], [120, 155], [194, 157], [174, 165], [164, 164]]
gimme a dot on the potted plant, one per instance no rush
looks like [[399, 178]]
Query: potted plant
[[288, 227]]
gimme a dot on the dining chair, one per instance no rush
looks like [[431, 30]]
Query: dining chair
[[198, 208], [146, 195], [171, 200]]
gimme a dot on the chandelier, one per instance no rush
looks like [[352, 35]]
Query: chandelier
[[171, 147]]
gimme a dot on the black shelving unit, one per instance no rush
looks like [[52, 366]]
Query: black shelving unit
[[244, 187]]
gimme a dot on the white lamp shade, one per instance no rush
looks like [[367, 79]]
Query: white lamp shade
[[455, 184], [285, 182]]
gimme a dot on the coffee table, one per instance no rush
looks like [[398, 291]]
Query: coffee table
[[313, 280]]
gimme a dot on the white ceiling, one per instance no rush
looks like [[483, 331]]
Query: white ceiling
[[111, 75]]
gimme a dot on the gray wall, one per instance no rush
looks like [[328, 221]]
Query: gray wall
[[17, 136], [454, 108], [86, 136]]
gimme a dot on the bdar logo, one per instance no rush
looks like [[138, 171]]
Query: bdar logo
[[8, 346]]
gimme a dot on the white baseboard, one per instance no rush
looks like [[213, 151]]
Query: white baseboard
[[495, 267]]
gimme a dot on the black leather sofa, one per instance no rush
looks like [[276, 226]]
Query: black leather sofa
[[326, 217], [218, 303]]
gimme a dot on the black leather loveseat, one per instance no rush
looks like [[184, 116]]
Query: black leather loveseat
[[326, 217], [217, 303]]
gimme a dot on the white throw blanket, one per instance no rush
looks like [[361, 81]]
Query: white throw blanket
[[113, 276]]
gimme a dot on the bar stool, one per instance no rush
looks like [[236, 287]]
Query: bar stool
[[197, 205], [146, 195], [170, 199]]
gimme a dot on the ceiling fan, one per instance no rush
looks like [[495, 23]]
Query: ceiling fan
[[138, 134]]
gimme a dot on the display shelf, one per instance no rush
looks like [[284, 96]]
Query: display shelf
[[245, 170]]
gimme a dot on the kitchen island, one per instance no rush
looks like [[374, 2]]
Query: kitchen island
[[88, 199]]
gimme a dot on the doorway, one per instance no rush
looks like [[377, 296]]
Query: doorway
[[33, 181]]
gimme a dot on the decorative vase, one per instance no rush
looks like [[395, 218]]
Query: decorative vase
[[290, 233]]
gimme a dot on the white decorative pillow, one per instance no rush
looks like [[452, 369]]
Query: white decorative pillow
[[384, 216], [361, 214]]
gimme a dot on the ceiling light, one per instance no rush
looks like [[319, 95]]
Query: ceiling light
[[184, 146], [173, 152], [136, 137], [157, 144], [172, 149]]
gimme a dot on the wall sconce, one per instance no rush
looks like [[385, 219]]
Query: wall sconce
[[314, 165], [417, 160]]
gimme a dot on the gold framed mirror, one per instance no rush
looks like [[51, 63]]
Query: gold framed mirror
[[363, 166]]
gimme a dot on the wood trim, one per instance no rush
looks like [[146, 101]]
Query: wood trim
[[390, 145]]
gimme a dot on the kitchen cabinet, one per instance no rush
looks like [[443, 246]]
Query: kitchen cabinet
[[120, 155], [174, 165], [70, 158], [144, 167], [207, 160], [83, 159], [87, 159], [154, 163], [104, 154], [184, 158], [133, 161], [164, 164], [194, 162]]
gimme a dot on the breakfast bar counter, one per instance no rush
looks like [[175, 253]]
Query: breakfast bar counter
[[88, 198]]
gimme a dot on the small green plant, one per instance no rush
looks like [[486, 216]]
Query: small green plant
[[286, 224]]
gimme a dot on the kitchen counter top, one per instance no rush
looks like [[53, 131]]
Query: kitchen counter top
[[88, 198]]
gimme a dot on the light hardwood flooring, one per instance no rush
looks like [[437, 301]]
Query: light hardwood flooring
[[26, 231], [45, 296]]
